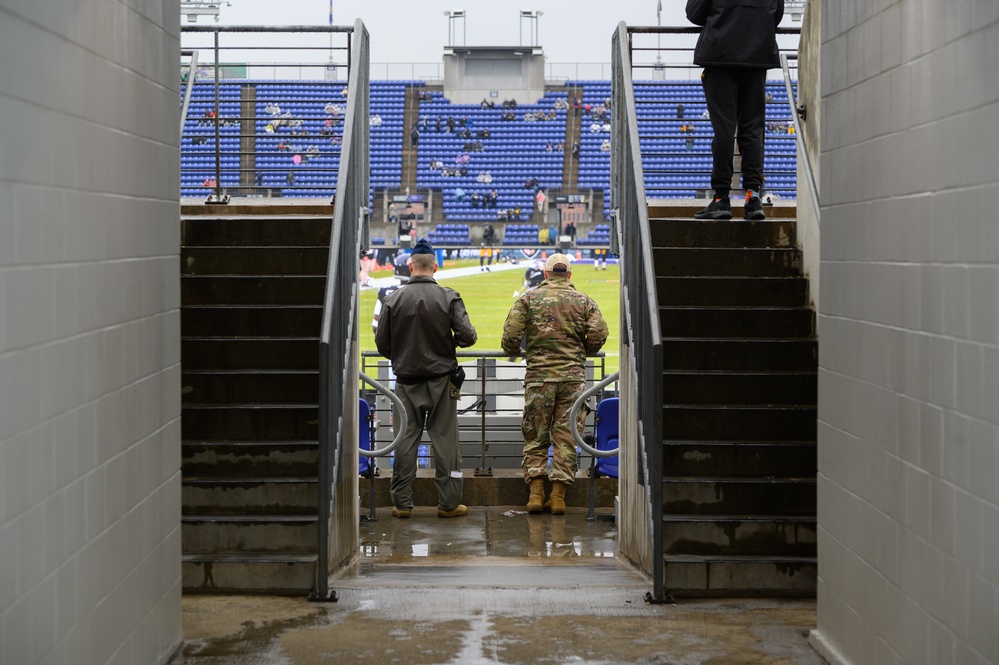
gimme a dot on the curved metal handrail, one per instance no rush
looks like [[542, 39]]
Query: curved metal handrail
[[574, 413], [401, 411]]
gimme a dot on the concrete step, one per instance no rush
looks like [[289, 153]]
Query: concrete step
[[248, 573], [254, 260], [505, 488], [740, 458], [726, 262], [249, 231], [739, 496], [242, 534], [737, 322], [251, 321], [250, 386], [732, 291], [252, 289], [260, 496], [723, 233], [739, 354], [236, 422], [766, 576], [264, 353], [722, 535], [248, 458], [773, 388], [739, 423]]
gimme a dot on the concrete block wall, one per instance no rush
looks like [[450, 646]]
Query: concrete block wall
[[89, 332], [909, 333]]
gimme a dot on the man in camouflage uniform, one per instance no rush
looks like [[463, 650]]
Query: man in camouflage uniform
[[563, 326]]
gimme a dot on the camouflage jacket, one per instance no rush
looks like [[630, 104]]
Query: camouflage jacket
[[562, 325]]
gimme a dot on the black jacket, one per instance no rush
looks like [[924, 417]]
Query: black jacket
[[736, 33], [420, 326]]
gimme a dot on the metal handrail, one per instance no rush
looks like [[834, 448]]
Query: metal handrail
[[640, 334], [400, 409], [574, 413], [192, 72], [796, 111], [338, 335]]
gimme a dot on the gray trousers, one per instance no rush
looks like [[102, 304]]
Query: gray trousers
[[431, 400]]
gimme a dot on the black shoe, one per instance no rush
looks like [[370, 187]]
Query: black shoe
[[719, 208], [753, 208]]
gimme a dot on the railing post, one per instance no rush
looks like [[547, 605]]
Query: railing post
[[482, 469]]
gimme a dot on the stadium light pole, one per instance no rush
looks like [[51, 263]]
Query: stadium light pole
[[531, 15], [452, 36]]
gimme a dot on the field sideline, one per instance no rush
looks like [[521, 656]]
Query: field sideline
[[488, 297]]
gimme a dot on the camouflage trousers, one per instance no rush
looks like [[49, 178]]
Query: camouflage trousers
[[546, 422]]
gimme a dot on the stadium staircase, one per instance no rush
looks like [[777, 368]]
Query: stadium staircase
[[570, 166], [409, 153], [252, 292], [739, 391]]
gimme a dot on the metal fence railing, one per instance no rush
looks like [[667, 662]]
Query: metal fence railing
[[245, 130], [489, 411]]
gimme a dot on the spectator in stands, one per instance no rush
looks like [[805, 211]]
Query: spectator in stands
[[328, 109], [489, 234], [679, 111], [549, 147], [736, 47], [606, 127], [570, 230], [475, 199], [543, 236], [414, 136], [560, 146], [541, 200], [420, 327], [258, 178], [459, 194], [290, 179], [769, 98], [437, 124], [482, 133], [595, 127], [576, 105], [450, 124], [376, 120], [272, 109], [209, 181], [605, 146], [327, 129], [575, 150], [552, 234], [706, 115], [312, 152]]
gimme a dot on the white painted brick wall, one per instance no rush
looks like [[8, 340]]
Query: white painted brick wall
[[89, 332], [909, 333]]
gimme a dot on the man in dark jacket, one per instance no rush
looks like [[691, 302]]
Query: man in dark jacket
[[737, 46], [420, 326]]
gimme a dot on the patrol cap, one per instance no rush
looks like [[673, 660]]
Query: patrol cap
[[423, 246], [558, 263]]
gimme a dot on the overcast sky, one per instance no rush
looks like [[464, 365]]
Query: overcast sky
[[414, 31]]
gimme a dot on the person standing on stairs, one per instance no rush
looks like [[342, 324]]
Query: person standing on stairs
[[421, 325], [562, 326], [736, 47]]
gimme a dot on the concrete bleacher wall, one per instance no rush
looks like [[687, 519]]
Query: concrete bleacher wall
[[89, 333], [909, 334]]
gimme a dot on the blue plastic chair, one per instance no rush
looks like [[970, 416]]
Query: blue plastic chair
[[364, 436], [606, 436]]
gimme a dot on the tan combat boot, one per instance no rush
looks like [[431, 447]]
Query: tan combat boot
[[535, 503], [556, 501]]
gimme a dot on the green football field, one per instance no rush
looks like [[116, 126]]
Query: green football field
[[489, 295]]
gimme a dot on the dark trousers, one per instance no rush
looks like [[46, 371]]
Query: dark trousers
[[736, 99]]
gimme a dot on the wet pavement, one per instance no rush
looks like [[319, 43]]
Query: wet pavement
[[499, 586]]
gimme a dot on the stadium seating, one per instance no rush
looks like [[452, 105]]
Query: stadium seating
[[514, 151]]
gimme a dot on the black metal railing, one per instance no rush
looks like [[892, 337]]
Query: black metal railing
[[222, 139], [641, 338]]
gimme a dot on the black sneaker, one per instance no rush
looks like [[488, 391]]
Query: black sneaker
[[753, 208], [719, 208]]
